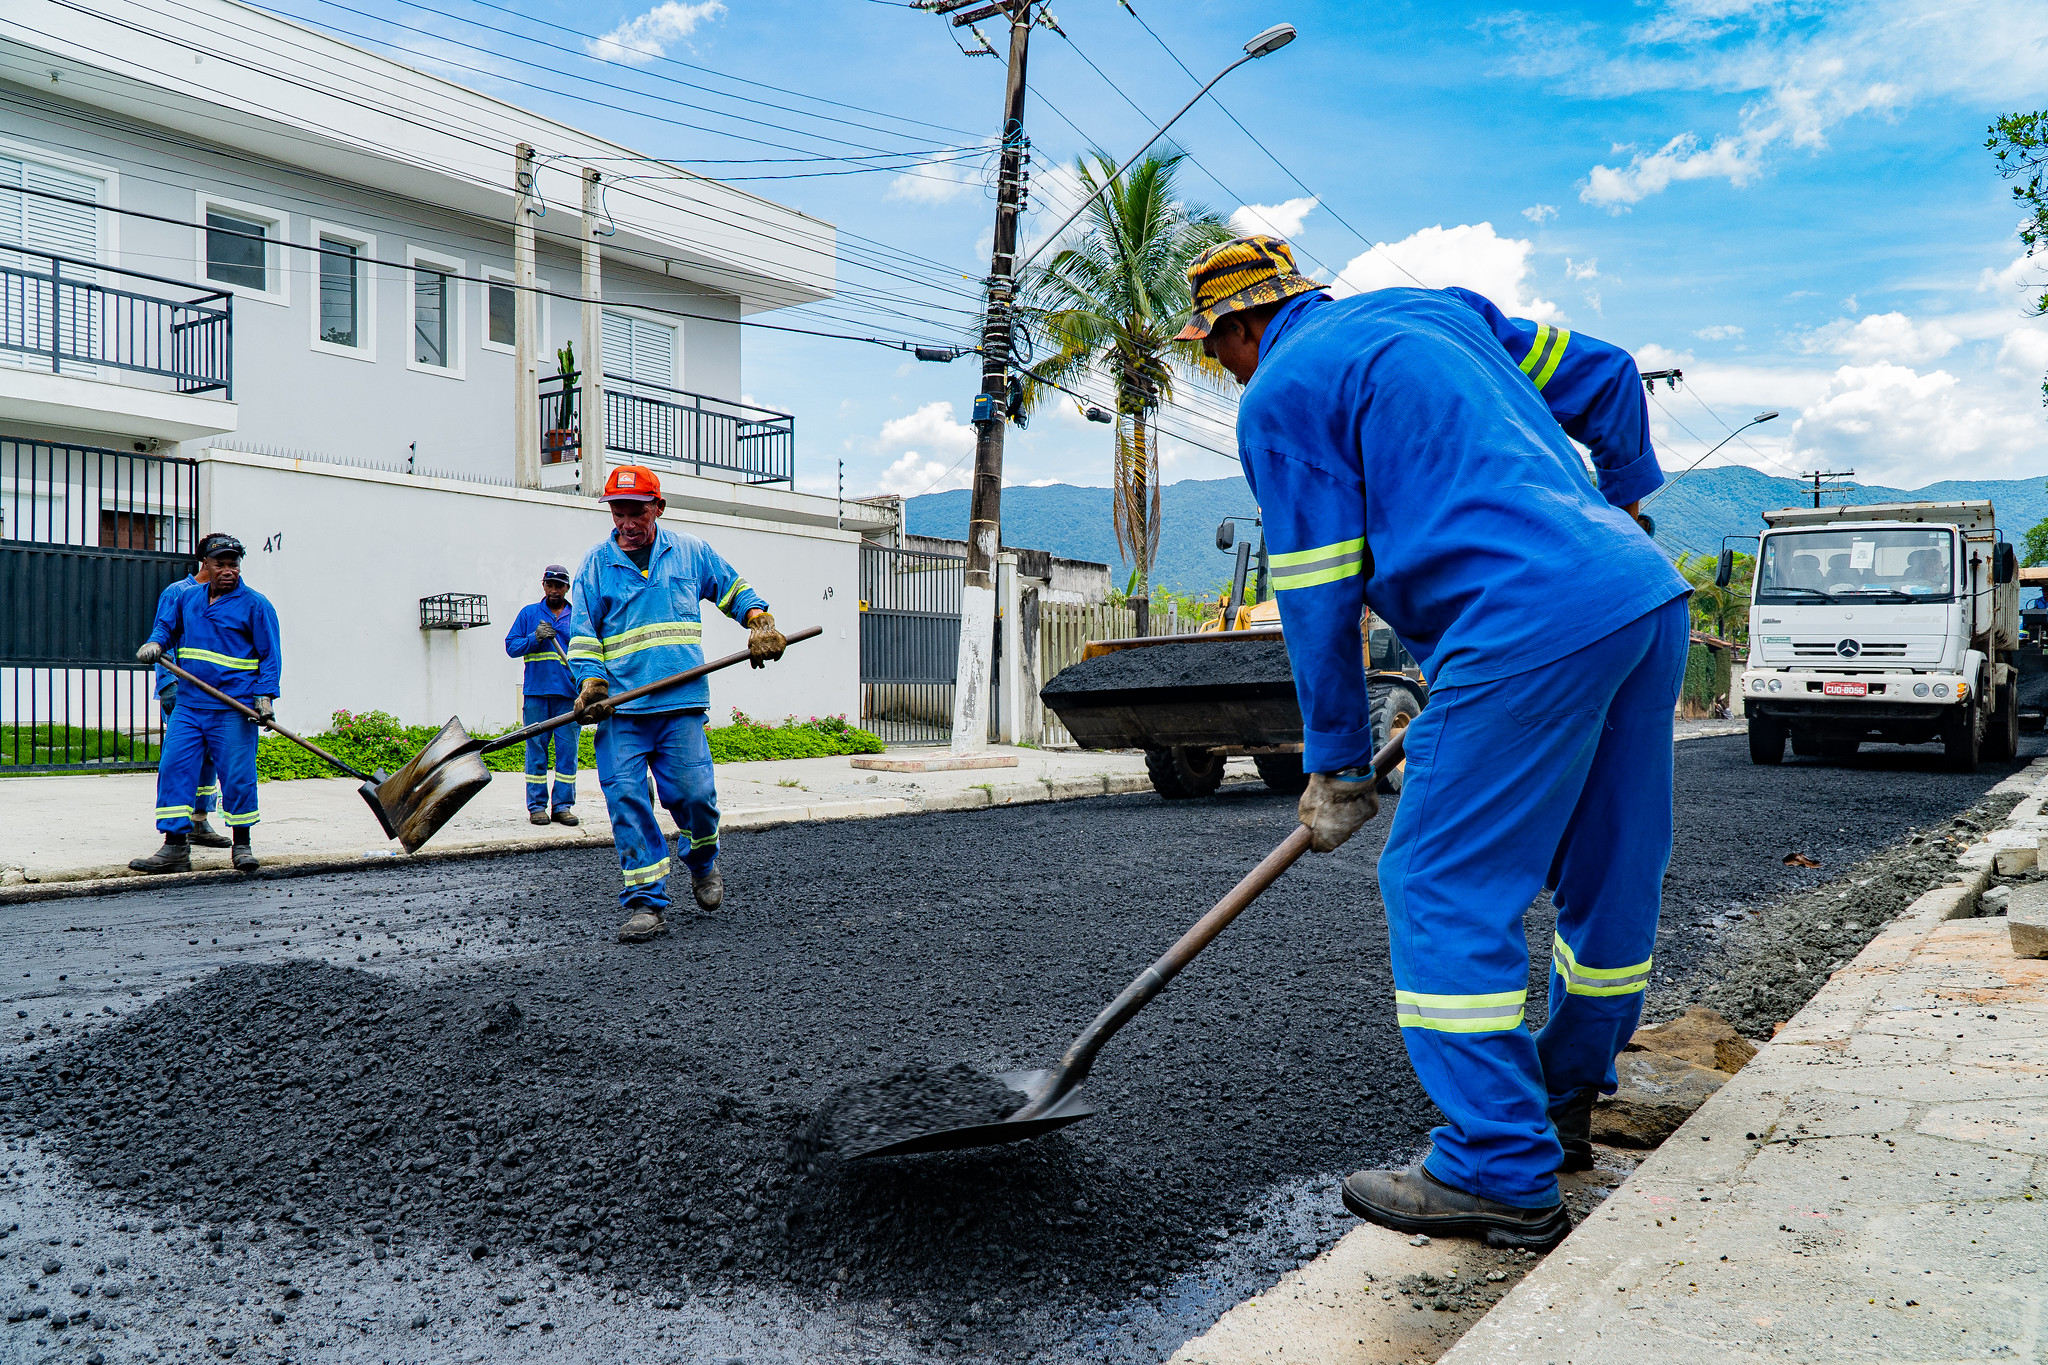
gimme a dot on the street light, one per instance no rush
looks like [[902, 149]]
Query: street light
[[1268, 40], [1760, 417]]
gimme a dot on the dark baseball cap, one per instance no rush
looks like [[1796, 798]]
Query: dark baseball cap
[[220, 543], [554, 573]]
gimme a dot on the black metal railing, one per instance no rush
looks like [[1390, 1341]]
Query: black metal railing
[[73, 322], [89, 538], [672, 427]]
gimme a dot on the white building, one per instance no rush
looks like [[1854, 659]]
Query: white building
[[258, 280]]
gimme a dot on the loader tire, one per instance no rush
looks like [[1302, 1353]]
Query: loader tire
[[2002, 735], [1962, 738], [1394, 705], [1282, 772], [1180, 774]]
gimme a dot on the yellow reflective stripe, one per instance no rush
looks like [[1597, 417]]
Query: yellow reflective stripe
[[659, 627], [541, 778], [738, 586], [1460, 1013], [586, 649], [711, 838], [213, 790], [165, 812], [1324, 564], [1556, 354], [1581, 980], [187, 654], [230, 818], [674, 638], [1535, 356], [642, 876]]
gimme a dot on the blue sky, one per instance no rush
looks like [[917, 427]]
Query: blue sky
[[1788, 200]]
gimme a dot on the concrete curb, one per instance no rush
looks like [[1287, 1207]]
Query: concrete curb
[[115, 878]]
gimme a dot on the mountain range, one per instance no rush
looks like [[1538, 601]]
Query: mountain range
[[1692, 513]]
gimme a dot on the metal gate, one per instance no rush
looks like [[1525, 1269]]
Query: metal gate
[[909, 643], [89, 538]]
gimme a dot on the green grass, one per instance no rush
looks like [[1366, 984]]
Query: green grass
[[30, 745]]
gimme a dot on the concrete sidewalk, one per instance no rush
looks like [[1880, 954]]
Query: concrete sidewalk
[[80, 829]]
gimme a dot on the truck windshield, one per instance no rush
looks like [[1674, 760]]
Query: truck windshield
[[1874, 565]]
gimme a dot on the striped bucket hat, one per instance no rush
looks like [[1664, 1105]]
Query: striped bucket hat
[[1241, 274]]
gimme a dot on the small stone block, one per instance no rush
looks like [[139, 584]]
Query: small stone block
[[2026, 919], [2013, 861], [935, 763]]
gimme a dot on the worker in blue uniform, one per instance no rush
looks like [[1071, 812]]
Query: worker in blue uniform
[[207, 794], [223, 633], [1409, 448], [540, 636], [636, 621]]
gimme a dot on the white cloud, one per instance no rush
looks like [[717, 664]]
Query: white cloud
[[933, 451], [1726, 331], [914, 474], [1581, 270], [1893, 424], [644, 38], [1539, 214], [1682, 158], [1471, 254], [941, 181], [2024, 354], [1880, 337], [1278, 220]]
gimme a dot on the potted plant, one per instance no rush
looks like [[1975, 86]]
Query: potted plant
[[561, 436]]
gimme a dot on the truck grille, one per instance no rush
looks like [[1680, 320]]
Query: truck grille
[[1830, 649]]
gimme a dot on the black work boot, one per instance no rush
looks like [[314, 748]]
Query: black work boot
[[245, 860], [536, 817], [645, 926], [709, 889], [1413, 1200], [174, 856], [205, 835], [1574, 1120], [565, 816]]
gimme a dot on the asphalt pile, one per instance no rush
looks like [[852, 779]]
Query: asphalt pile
[[910, 1101], [1206, 663]]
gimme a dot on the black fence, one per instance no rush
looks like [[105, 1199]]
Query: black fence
[[909, 643], [64, 316], [665, 427], [89, 538]]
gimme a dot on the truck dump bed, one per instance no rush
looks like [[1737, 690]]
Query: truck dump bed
[[1225, 690]]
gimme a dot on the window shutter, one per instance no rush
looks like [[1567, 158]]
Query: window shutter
[[49, 225]]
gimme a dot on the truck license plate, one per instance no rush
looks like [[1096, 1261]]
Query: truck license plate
[[1845, 689]]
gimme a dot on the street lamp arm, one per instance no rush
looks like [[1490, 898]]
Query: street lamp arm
[[1754, 421]]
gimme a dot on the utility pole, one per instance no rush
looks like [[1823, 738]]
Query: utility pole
[[525, 325], [991, 405], [1819, 474], [591, 442]]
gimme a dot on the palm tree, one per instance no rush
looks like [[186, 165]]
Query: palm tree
[[1109, 303]]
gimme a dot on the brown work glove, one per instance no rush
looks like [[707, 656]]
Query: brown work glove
[[150, 652], [1335, 806], [591, 705], [764, 642]]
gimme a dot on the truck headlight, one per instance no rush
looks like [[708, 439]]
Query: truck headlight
[[1919, 689], [1777, 685], [1941, 689], [1756, 684]]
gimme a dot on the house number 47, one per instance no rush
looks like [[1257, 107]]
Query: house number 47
[[275, 542]]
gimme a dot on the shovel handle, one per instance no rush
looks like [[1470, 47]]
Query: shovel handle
[[541, 727], [1080, 1056], [250, 712]]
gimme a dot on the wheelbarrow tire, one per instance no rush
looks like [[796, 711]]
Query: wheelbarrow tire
[[1179, 774], [1282, 772], [1393, 707]]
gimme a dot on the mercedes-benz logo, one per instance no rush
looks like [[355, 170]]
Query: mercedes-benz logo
[[1848, 649]]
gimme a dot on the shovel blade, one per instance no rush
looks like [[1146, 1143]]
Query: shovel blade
[[424, 795], [1071, 1109]]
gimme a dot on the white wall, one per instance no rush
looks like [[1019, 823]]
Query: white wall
[[346, 554]]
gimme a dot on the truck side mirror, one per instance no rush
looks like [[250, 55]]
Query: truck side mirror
[[2005, 565], [1226, 535], [1724, 572]]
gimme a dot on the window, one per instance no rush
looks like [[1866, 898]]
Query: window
[[345, 302], [434, 301], [239, 249], [501, 304], [40, 223], [504, 313], [637, 349]]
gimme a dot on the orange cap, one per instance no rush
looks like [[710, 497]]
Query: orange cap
[[631, 483]]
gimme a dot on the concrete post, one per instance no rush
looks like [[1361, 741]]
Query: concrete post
[[525, 325], [1009, 715], [591, 468]]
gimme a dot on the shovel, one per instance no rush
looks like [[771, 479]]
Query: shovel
[[424, 795], [1054, 1096], [368, 790]]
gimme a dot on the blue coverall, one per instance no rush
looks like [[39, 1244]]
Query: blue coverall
[[207, 795], [230, 641], [549, 691], [633, 627], [1408, 448]]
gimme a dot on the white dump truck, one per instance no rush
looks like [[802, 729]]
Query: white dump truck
[[1894, 622]]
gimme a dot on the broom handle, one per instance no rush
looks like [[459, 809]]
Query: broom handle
[[541, 727], [250, 712]]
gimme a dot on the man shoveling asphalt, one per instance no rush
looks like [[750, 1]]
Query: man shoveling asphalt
[[1408, 447], [636, 620]]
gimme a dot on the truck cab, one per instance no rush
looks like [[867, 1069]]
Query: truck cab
[[1891, 622]]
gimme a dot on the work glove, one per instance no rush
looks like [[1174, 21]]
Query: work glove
[[150, 652], [591, 705], [764, 642], [1336, 805], [543, 631], [263, 710]]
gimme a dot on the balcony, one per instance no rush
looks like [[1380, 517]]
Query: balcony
[[668, 429], [102, 349]]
